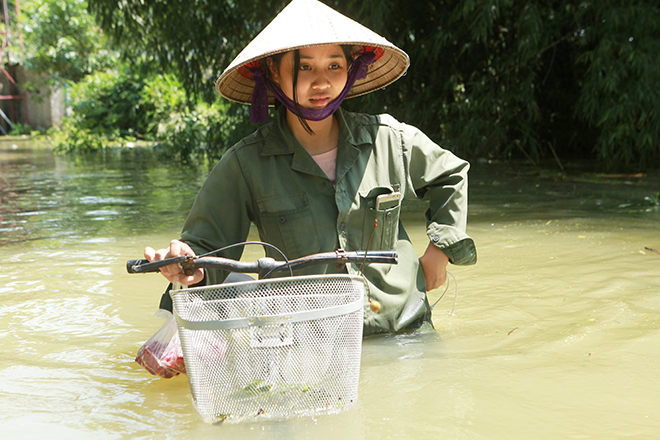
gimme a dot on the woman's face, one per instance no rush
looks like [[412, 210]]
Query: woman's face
[[321, 77]]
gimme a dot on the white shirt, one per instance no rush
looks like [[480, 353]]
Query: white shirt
[[328, 163]]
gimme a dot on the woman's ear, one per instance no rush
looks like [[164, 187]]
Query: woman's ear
[[274, 70]]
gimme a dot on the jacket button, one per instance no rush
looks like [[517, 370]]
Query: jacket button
[[435, 238], [342, 226], [283, 219], [388, 215]]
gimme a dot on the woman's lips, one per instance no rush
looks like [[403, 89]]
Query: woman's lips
[[320, 100]]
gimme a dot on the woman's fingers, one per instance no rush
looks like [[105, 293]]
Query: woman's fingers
[[173, 272], [176, 249], [149, 253]]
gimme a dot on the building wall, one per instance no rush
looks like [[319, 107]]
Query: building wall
[[41, 108]]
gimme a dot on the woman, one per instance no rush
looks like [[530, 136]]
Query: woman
[[310, 179]]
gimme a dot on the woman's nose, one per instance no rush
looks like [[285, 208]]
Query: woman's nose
[[321, 82]]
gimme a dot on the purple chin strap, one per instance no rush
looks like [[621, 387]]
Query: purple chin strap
[[259, 110]]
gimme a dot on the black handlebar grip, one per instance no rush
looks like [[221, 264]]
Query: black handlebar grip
[[131, 263], [146, 266]]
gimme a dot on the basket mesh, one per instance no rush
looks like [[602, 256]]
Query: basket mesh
[[272, 348]]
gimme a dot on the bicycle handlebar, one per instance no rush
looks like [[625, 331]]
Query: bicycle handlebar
[[263, 266]]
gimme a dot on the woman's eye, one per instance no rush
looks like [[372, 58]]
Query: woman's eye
[[304, 67]]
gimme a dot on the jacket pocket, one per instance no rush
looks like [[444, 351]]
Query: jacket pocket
[[384, 235], [287, 222]]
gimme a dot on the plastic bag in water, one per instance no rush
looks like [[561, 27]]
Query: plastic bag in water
[[161, 355]]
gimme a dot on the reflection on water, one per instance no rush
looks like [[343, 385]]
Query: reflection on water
[[555, 332], [99, 196]]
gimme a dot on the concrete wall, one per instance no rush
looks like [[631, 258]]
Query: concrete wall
[[43, 107]]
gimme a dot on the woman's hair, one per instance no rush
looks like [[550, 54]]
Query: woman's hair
[[277, 58]]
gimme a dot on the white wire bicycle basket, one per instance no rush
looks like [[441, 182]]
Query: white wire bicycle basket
[[275, 348]]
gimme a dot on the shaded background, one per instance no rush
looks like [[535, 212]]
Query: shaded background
[[550, 81]]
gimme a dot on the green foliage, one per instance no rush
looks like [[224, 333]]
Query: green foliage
[[73, 138], [203, 133], [476, 73], [120, 108], [196, 39], [123, 103], [620, 94], [62, 41], [20, 129], [162, 95], [115, 107], [552, 80], [653, 199]]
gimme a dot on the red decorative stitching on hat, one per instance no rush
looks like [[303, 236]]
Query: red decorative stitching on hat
[[378, 51], [244, 70]]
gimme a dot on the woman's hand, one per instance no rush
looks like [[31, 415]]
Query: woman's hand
[[434, 263], [173, 272]]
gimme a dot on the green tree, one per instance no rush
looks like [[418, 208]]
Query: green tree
[[558, 79], [120, 107], [194, 38], [62, 40], [620, 93]]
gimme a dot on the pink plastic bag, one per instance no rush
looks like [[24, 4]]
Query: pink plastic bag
[[161, 355]]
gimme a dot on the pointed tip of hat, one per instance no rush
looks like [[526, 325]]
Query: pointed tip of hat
[[311, 23]]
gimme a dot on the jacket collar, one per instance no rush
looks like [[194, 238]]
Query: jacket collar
[[280, 140]]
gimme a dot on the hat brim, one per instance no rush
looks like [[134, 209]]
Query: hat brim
[[317, 24]]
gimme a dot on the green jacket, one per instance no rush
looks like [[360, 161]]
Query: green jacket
[[270, 180]]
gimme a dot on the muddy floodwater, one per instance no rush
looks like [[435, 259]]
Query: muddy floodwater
[[555, 332]]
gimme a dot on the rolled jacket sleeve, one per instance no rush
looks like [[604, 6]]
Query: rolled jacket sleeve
[[440, 177]]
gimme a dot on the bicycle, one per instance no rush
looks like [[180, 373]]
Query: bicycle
[[272, 347]]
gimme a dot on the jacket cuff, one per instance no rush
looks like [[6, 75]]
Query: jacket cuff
[[456, 244]]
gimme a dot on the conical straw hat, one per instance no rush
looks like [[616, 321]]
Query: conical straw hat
[[305, 23]]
